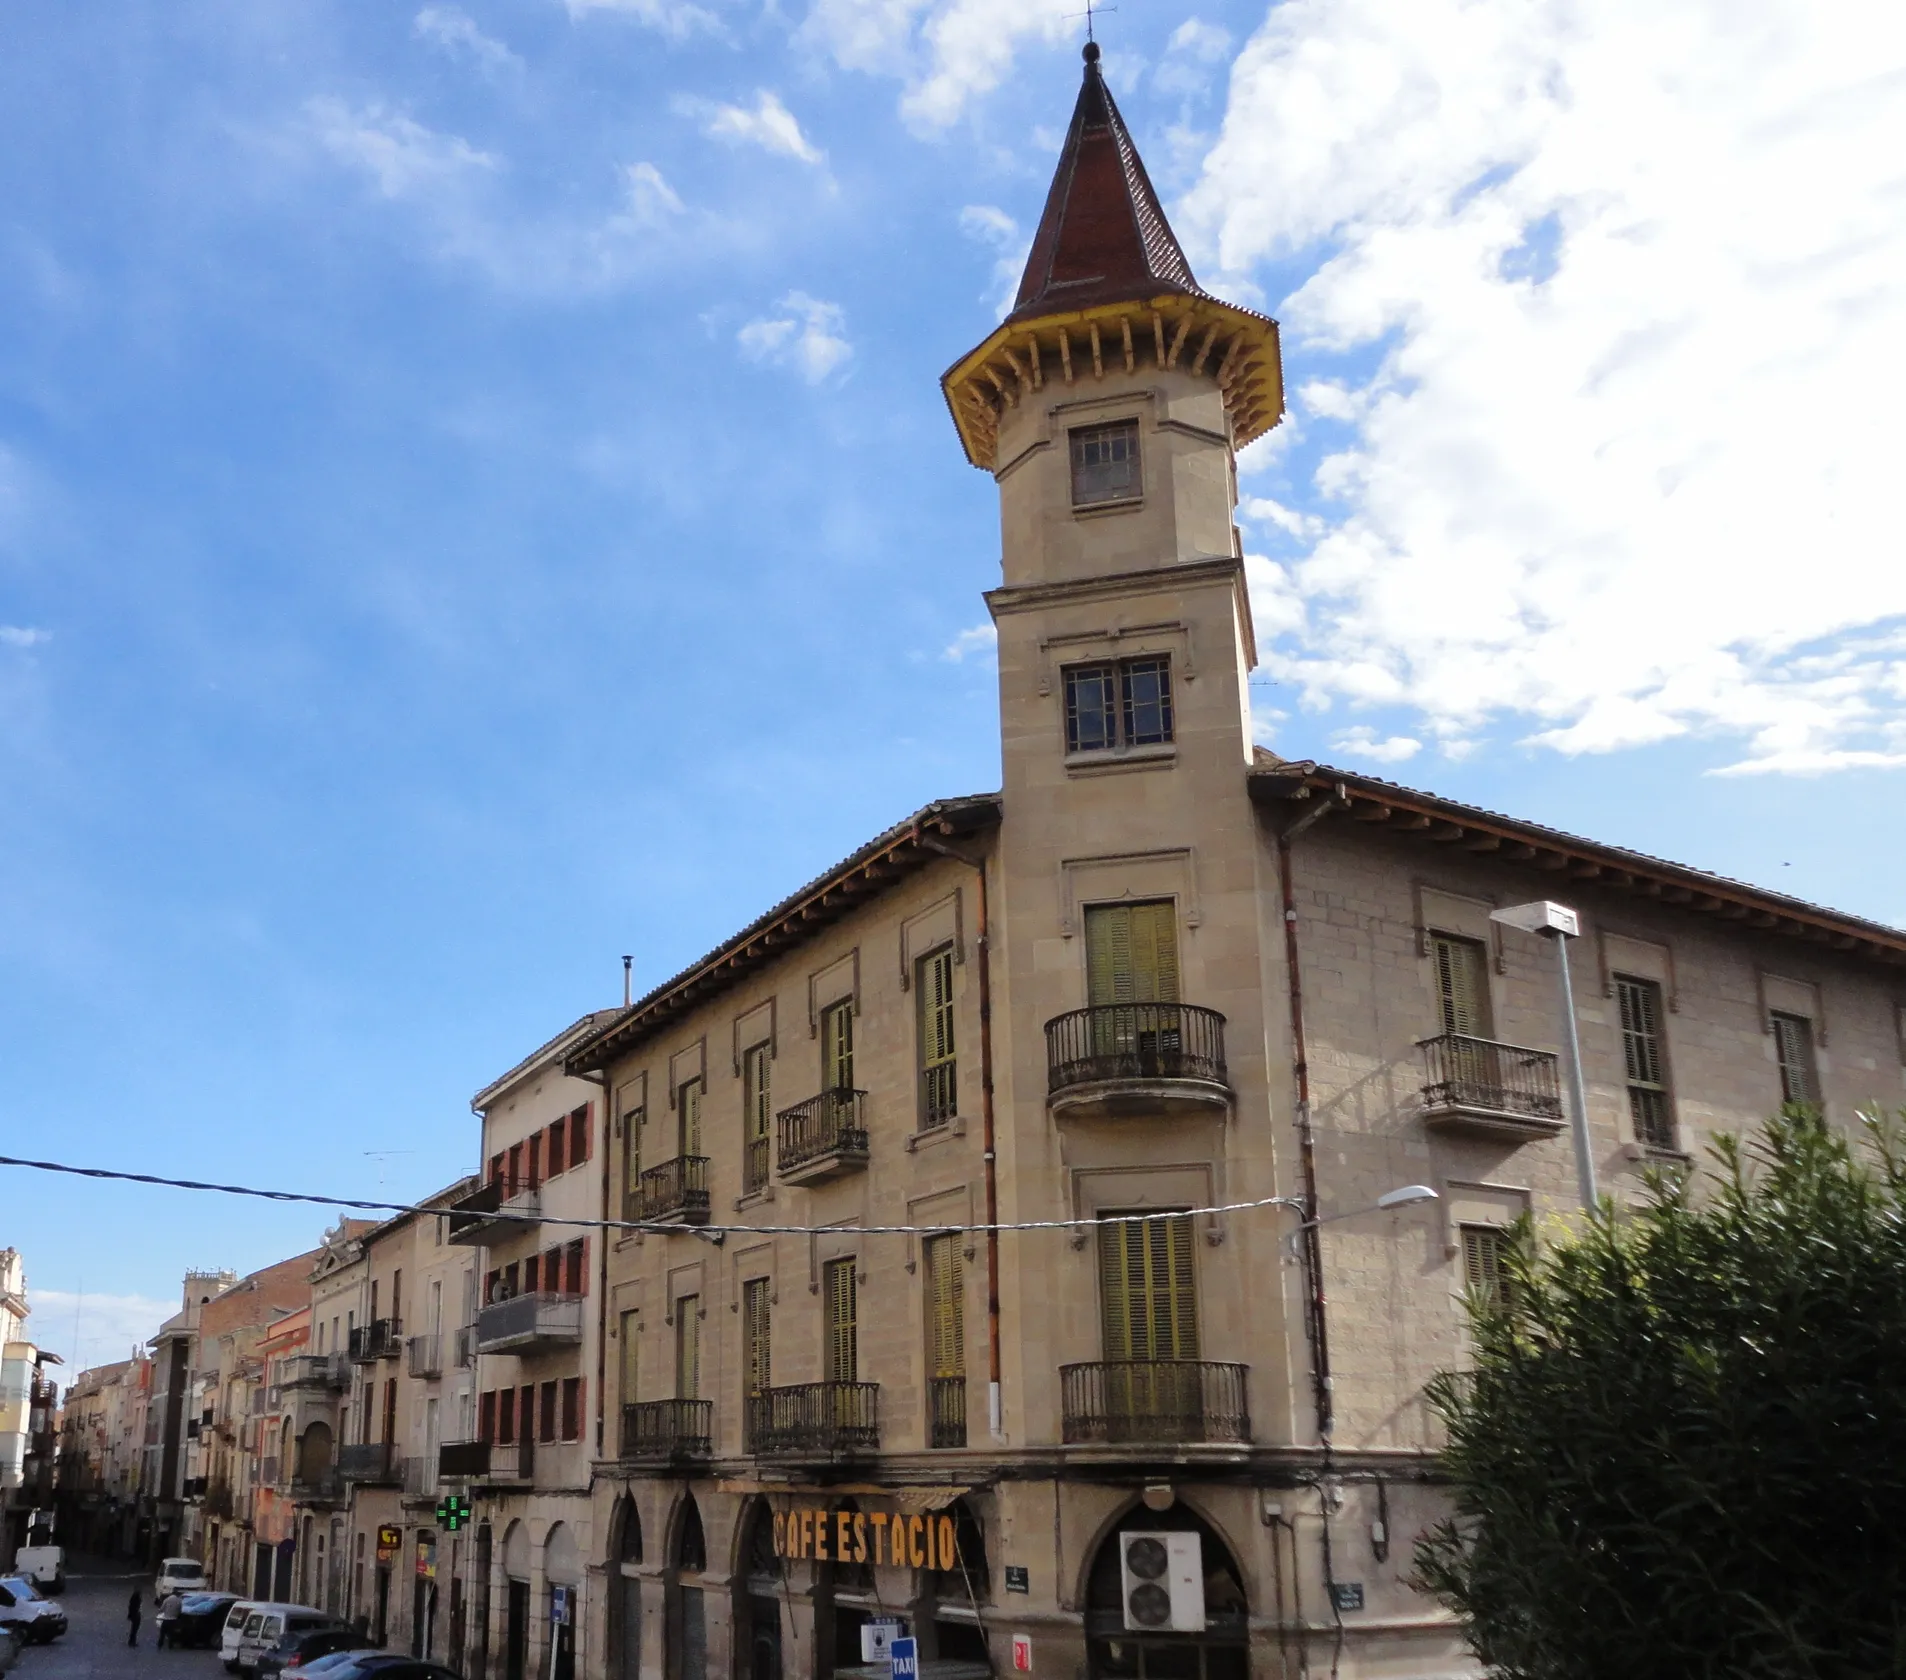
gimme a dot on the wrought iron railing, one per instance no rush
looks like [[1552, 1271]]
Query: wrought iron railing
[[1461, 1071], [382, 1338], [939, 1094], [1115, 1041], [833, 1123], [674, 1190], [463, 1459], [754, 1167], [668, 1429], [1167, 1400], [946, 1411], [515, 1191], [424, 1356], [316, 1487], [525, 1318], [370, 1461], [830, 1419]]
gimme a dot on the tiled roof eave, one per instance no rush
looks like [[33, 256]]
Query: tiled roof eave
[[1433, 820], [897, 853]]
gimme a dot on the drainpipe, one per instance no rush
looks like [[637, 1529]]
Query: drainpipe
[[602, 1243], [1316, 1329], [995, 1413]]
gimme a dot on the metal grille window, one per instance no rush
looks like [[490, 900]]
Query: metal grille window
[[1124, 703], [757, 1117], [1645, 1061], [1484, 1248], [757, 1362], [841, 1290], [1462, 984], [1105, 464], [688, 1347], [1793, 1049], [1148, 1294], [837, 1046], [939, 1082]]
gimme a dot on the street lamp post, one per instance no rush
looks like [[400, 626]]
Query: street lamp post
[[1559, 924]]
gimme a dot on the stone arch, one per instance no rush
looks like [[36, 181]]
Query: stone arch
[[314, 1452], [759, 1591], [686, 1653], [688, 1541], [562, 1563], [1220, 1652], [516, 1551], [625, 1531], [625, 1591]]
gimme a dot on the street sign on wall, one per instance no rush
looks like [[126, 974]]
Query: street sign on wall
[[904, 1654]]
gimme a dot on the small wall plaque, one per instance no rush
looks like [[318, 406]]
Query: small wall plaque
[[1018, 1578], [1347, 1595]]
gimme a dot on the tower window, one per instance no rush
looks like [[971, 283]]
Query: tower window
[[1126, 703], [1105, 464]]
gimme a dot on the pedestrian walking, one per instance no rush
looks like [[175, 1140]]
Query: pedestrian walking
[[169, 1619], [132, 1617]]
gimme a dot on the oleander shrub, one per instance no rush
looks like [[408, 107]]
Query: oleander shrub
[[1680, 1450]]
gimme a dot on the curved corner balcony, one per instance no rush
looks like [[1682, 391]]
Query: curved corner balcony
[[1142, 1060]]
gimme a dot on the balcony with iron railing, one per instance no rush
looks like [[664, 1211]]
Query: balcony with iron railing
[[382, 1338], [317, 1487], [372, 1463], [1478, 1085], [822, 1420], [487, 1461], [1165, 1402], [946, 1411], [314, 1370], [668, 1431], [1144, 1060], [424, 1356], [675, 1192], [822, 1137], [525, 1322], [505, 1207]]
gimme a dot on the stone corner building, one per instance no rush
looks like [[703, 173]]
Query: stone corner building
[[1158, 972]]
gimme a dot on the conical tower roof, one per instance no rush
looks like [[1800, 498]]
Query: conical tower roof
[[1108, 291], [1103, 237]]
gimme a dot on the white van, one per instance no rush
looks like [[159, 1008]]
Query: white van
[[269, 1623], [44, 1566], [234, 1627], [180, 1575]]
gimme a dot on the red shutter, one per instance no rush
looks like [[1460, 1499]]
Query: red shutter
[[581, 1128], [572, 1408], [556, 1140], [574, 1256], [486, 1415], [549, 1413]]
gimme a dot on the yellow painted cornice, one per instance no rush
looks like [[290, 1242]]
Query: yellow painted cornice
[[1236, 347]]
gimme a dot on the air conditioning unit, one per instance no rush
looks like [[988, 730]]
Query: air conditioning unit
[[1161, 1582]]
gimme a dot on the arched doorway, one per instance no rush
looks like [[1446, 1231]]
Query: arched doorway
[[625, 1592], [687, 1611], [516, 1602], [955, 1592], [562, 1570], [314, 1454], [758, 1593], [1220, 1652]]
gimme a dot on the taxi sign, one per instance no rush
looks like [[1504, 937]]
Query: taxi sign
[[905, 1657]]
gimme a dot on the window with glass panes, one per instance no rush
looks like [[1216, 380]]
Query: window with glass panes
[[1793, 1050], [1645, 1061], [837, 1046], [756, 1116], [939, 1082], [1105, 463], [1121, 703], [840, 1291]]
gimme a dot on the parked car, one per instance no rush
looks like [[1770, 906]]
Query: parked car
[[234, 1628], [202, 1618], [300, 1647], [182, 1575], [35, 1620], [269, 1623], [44, 1566], [375, 1665]]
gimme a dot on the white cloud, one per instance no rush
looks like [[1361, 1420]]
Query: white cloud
[[987, 224], [674, 18], [401, 154], [1363, 743], [768, 123], [651, 198], [20, 636], [805, 334], [1619, 278], [1194, 51], [109, 1325], [980, 641], [454, 31]]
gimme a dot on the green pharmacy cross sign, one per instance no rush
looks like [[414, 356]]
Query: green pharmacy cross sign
[[453, 1512]]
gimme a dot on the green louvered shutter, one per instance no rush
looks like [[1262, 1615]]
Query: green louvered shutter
[[1462, 985], [843, 1322], [946, 1313], [1131, 953], [756, 1331], [1148, 1288]]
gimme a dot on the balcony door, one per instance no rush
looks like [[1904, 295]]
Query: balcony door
[[1462, 984], [1131, 977], [688, 1117], [688, 1347], [1148, 1302], [842, 1291]]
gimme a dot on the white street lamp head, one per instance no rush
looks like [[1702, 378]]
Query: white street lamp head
[[1407, 1195], [1543, 916]]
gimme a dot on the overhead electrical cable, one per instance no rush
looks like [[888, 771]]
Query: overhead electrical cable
[[658, 1226]]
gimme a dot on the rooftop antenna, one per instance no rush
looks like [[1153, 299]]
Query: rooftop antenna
[[628, 994], [380, 1156]]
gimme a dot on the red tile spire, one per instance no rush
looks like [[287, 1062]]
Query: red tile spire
[[1103, 237]]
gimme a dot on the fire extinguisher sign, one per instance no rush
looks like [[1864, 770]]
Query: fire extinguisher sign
[[1022, 1653]]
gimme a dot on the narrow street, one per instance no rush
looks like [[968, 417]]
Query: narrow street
[[94, 1645]]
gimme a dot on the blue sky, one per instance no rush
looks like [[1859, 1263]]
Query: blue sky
[[475, 497]]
